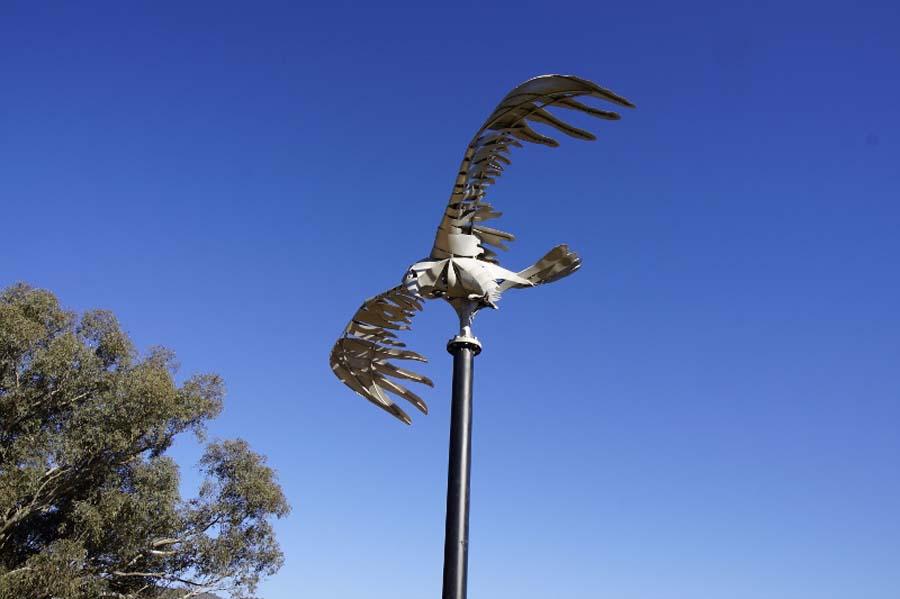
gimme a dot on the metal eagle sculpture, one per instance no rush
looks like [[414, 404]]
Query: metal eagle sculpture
[[461, 268]]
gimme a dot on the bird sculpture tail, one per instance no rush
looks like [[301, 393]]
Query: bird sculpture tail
[[557, 263]]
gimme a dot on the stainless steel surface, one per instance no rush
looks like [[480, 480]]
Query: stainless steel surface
[[462, 267]]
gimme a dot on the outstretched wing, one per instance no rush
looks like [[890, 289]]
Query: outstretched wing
[[361, 357], [487, 154]]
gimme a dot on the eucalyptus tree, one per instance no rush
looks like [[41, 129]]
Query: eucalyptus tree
[[89, 501]]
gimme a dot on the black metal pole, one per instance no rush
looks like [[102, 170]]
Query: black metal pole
[[456, 534]]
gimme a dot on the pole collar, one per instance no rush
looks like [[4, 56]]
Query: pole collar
[[461, 341]]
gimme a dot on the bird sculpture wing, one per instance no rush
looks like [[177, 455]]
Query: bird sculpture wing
[[487, 154], [361, 358]]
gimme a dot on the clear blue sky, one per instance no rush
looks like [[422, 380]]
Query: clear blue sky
[[708, 409]]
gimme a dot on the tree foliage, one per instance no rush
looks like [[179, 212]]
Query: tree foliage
[[89, 502]]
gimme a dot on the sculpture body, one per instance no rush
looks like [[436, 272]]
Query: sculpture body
[[462, 267]]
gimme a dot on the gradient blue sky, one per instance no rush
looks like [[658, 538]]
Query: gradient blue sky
[[708, 409]]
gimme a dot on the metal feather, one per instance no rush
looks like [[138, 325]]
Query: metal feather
[[360, 358], [505, 128]]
